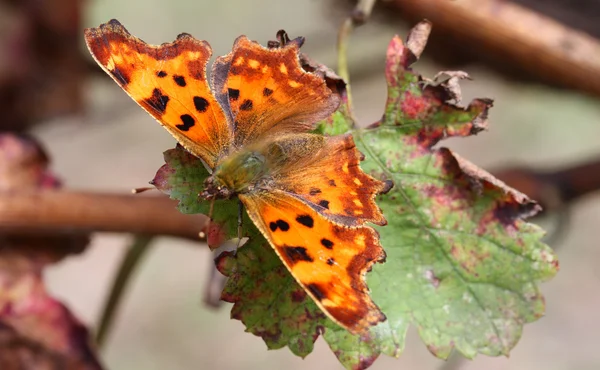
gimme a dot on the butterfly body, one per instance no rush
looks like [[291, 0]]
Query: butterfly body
[[257, 167], [251, 127], [238, 173]]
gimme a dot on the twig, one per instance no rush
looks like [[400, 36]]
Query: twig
[[577, 181], [130, 261], [67, 212], [359, 16], [555, 190], [539, 45], [342, 55]]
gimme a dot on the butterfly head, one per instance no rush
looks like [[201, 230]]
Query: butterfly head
[[213, 189]]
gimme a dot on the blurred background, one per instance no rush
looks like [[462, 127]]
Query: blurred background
[[100, 140]]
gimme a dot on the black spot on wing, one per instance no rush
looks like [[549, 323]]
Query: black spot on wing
[[297, 254], [314, 191], [279, 224], [161, 74], [332, 183], [327, 243], [157, 101], [201, 104], [324, 203], [187, 122], [284, 226], [305, 220], [246, 105], [330, 261], [179, 80], [234, 94], [267, 91]]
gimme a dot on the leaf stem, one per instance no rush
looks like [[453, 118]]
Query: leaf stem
[[359, 16], [130, 262], [342, 60]]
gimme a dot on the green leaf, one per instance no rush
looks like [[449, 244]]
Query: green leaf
[[462, 265], [353, 351], [182, 178], [267, 299]]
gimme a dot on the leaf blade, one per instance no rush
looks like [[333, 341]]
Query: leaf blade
[[464, 263]]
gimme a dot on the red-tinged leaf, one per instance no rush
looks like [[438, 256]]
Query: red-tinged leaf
[[36, 330], [462, 264], [23, 164], [267, 299]]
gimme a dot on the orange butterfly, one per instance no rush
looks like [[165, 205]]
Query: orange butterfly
[[305, 192]]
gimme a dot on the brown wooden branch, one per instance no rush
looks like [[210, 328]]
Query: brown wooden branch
[[55, 211], [577, 181], [554, 189], [516, 35]]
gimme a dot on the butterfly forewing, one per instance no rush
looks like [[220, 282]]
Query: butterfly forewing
[[169, 82], [269, 92]]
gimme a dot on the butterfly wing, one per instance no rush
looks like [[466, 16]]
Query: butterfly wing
[[169, 82], [330, 177], [328, 260], [268, 91]]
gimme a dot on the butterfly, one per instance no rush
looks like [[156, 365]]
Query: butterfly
[[251, 126]]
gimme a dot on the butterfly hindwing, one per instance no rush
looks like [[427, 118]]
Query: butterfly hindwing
[[169, 82], [328, 260], [332, 179]]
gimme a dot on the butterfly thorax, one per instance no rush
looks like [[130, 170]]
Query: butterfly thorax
[[254, 167], [237, 173]]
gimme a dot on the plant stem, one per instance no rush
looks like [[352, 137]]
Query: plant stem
[[359, 16], [342, 60], [130, 262]]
